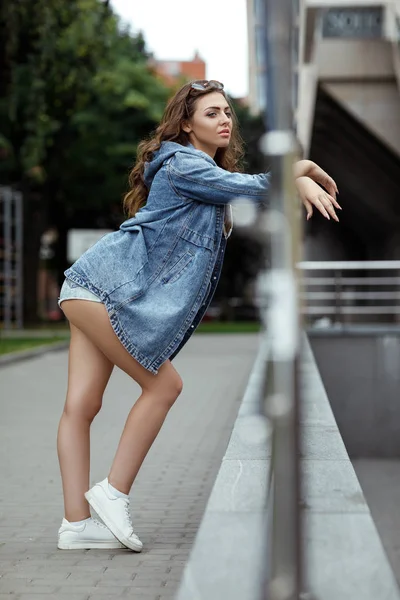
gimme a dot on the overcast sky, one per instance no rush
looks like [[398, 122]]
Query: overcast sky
[[175, 29]]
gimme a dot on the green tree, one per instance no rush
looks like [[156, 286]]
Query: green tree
[[77, 97], [252, 128], [245, 255]]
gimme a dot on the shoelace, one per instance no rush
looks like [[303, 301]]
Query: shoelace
[[99, 523], [128, 517]]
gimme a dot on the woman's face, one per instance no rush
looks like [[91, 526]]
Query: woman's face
[[210, 127]]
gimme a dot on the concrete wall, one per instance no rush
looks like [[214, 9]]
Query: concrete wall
[[344, 557], [376, 104], [363, 74], [361, 373], [342, 59]]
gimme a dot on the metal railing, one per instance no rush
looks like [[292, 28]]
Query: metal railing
[[11, 258], [291, 293], [350, 292], [279, 304]]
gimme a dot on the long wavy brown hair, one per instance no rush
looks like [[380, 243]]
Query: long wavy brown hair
[[180, 108]]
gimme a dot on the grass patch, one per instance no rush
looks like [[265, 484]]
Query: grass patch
[[229, 327], [15, 344], [8, 345]]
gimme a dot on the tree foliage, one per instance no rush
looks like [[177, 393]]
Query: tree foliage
[[245, 255], [77, 96]]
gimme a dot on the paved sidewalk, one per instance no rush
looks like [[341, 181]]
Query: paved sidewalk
[[380, 481], [168, 497]]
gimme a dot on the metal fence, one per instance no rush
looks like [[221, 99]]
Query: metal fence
[[351, 292], [11, 259]]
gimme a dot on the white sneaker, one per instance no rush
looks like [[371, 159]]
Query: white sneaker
[[115, 513], [91, 534]]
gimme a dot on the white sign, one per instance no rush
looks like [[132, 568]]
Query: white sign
[[349, 22], [79, 240]]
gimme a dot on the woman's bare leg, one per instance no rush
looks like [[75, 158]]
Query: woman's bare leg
[[159, 392], [88, 373]]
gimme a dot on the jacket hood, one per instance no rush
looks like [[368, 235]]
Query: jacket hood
[[166, 151]]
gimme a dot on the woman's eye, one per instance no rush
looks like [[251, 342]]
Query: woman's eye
[[211, 114], [229, 114]]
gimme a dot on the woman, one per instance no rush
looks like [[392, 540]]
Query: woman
[[149, 285]]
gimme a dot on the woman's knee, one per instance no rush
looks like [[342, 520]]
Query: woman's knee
[[82, 407], [167, 389], [172, 389], [177, 386]]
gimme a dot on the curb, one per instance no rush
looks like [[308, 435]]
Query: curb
[[26, 354]]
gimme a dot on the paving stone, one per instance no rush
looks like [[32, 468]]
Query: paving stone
[[168, 498]]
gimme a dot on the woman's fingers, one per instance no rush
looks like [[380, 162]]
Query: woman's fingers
[[330, 204], [319, 205], [332, 190], [327, 202], [330, 185], [309, 208], [312, 195], [336, 203], [320, 176]]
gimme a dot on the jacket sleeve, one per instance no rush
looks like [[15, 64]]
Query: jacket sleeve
[[195, 178]]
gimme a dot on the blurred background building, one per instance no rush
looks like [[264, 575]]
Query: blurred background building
[[348, 118], [257, 68], [174, 71], [349, 122]]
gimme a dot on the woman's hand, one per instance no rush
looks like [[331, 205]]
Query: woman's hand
[[308, 168], [311, 194]]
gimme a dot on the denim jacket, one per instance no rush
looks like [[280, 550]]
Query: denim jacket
[[157, 274]]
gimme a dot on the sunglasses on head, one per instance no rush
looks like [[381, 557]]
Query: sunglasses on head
[[205, 84]]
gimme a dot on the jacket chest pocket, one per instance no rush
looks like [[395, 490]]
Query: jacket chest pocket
[[192, 247], [178, 266]]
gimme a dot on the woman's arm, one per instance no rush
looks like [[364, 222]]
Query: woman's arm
[[197, 179], [308, 168]]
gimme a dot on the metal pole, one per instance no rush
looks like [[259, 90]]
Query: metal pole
[[7, 229], [19, 285], [283, 326]]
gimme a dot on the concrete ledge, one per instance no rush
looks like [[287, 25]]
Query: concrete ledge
[[227, 560], [344, 555]]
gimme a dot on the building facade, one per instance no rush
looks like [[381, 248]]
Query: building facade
[[349, 122], [173, 72], [257, 69]]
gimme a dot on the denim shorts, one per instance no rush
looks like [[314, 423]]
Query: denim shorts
[[73, 291]]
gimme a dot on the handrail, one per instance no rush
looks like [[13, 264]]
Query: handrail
[[347, 265], [329, 288]]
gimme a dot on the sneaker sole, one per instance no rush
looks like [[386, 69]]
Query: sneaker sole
[[111, 526], [90, 546]]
